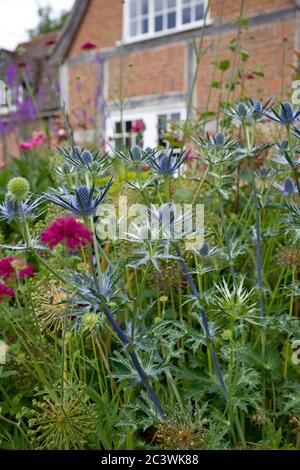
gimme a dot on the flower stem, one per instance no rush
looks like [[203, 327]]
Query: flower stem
[[204, 321], [135, 360]]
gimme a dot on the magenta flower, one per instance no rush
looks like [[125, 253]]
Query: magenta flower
[[6, 292], [50, 42], [88, 46], [190, 155], [15, 267], [138, 126], [26, 145], [69, 231], [38, 138]]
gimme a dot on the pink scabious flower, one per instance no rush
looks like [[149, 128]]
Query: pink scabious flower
[[138, 126], [190, 155], [26, 145], [38, 138], [6, 292], [69, 231], [88, 46], [10, 267]]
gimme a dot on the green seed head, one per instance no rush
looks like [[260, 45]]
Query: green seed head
[[90, 321], [18, 188]]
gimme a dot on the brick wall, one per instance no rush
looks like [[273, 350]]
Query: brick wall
[[230, 9], [271, 51], [163, 70], [102, 25]]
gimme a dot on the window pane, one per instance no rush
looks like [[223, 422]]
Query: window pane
[[175, 117], [144, 7], [158, 23], [133, 28], [171, 20], [158, 5], [171, 3], [199, 12], [144, 26], [133, 9], [186, 15]]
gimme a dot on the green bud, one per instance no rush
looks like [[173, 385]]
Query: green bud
[[18, 188], [90, 320]]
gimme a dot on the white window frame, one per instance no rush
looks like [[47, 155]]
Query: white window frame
[[151, 33], [8, 106], [149, 115]]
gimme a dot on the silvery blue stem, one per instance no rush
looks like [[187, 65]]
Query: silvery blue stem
[[137, 364], [204, 321]]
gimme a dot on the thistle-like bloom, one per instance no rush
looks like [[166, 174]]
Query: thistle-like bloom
[[83, 159], [166, 163], [287, 116], [136, 154], [67, 230], [81, 202], [15, 267], [6, 292], [217, 141], [216, 148], [288, 187], [247, 112], [14, 211]]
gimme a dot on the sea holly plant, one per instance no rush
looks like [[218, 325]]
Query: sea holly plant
[[154, 326]]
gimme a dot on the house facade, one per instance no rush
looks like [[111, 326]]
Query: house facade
[[140, 65], [28, 97], [132, 67]]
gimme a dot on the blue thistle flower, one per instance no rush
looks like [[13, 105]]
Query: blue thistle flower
[[287, 116], [135, 155], [166, 162], [248, 112], [84, 160], [288, 187], [15, 211], [82, 202]]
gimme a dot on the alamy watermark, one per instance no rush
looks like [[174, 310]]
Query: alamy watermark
[[296, 353], [296, 92], [138, 223], [3, 352]]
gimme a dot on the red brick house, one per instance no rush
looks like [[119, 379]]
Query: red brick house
[[144, 64], [144, 61]]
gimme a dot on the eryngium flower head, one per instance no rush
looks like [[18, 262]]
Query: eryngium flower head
[[83, 159], [288, 187], [15, 211], [83, 201], [286, 116], [87, 293], [18, 188], [217, 141], [247, 112], [135, 155], [68, 231], [166, 162]]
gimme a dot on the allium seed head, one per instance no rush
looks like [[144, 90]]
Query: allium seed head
[[18, 188]]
